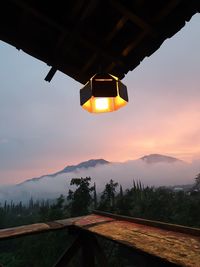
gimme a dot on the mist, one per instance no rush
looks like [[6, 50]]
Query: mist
[[156, 174]]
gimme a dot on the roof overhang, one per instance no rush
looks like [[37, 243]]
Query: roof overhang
[[78, 38]]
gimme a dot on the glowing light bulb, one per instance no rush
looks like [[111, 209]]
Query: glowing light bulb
[[103, 93], [101, 104]]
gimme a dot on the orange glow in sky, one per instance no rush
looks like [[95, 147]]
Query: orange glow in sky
[[43, 128]]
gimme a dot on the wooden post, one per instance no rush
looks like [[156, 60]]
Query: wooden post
[[90, 250], [69, 253], [99, 253], [88, 257]]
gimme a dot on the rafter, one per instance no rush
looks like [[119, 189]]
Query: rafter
[[162, 14], [85, 12], [38, 14], [167, 9], [74, 45], [133, 44], [68, 31], [141, 23], [119, 25]]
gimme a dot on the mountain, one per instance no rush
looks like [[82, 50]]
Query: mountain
[[156, 158], [72, 168], [152, 158], [86, 164], [151, 170]]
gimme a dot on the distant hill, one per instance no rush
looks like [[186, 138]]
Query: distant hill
[[72, 168], [152, 170], [156, 158], [151, 159]]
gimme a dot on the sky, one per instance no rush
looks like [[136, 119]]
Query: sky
[[43, 128]]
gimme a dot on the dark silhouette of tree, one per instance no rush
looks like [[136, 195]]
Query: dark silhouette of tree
[[80, 199], [108, 196], [197, 181], [56, 210], [121, 194], [95, 197], [120, 201]]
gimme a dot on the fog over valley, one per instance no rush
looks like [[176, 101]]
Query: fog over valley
[[152, 170]]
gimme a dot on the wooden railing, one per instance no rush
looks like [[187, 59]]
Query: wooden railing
[[161, 244]]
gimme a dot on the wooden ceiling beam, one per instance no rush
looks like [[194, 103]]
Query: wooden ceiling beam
[[110, 67], [89, 63], [76, 9], [64, 68], [85, 13], [119, 25], [95, 47], [162, 14], [22, 4], [133, 44], [167, 9], [71, 34], [67, 30], [141, 23]]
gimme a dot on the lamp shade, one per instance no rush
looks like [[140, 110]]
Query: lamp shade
[[103, 93]]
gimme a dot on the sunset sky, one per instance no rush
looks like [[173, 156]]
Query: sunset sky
[[43, 128]]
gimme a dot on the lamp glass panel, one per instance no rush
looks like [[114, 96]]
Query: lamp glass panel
[[119, 102], [102, 99]]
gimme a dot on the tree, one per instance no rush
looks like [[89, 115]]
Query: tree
[[80, 199], [56, 210], [95, 197], [197, 181], [108, 196], [121, 194], [120, 201]]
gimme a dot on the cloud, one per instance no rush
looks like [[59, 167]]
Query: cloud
[[158, 174], [43, 128], [3, 141]]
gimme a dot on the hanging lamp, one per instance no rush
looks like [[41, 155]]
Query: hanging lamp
[[103, 93]]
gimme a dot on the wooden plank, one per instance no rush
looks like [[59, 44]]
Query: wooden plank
[[177, 248], [175, 244], [23, 230], [37, 228], [158, 224], [174, 247], [93, 219]]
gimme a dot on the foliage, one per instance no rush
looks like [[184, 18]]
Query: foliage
[[160, 204], [43, 250], [80, 199], [197, 182], [108, 196]]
